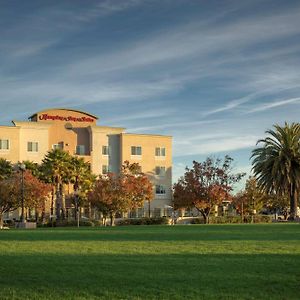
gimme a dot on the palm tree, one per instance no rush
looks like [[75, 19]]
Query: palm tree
[[33, 167], [56, 169], [82, 179], [276, 164], [6, 169]]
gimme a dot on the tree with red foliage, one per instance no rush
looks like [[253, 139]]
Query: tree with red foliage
[[35, 193], [205, 185], [138, 188], [119, 193], [8, 198], [108, 195]]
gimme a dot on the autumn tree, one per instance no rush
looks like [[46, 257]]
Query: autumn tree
[[121, 192], [35, 192], [205, 185], [108, 195], [9, 200], [138, 188]]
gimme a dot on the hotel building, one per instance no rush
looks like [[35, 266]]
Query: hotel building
[[105, 148]]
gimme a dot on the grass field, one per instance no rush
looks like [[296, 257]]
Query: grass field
[[154, 262]]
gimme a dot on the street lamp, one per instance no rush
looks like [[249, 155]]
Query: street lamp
[[22, 168], [76, 194]]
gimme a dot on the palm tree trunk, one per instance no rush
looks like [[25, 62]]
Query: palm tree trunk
[[63, 201], [293, 203], [1, 220]]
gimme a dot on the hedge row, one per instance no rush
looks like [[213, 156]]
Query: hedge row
[[143, 221], [72, 223], [234, 219]]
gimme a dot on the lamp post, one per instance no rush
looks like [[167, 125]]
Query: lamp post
[[22, 168], [76, 193]]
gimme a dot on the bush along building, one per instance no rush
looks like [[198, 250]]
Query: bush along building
[[104, 147]]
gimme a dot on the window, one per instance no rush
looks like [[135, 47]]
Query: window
[[160, 151], [58, 146], [105, 169], [160, 190], [105, 150], [80, 150], [160, 171], [136, 150], [32, 146], [4, 144]]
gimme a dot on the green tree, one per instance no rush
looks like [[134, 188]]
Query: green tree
[[250, 200], [33, 167], [56, 168], [276, 164], [6, 169], [82, 178]]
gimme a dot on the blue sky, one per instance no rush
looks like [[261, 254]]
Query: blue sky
[[213, 74]]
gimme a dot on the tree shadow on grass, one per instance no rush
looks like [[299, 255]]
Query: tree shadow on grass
[[168, 276]]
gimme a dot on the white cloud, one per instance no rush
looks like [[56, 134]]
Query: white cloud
[[172, 125], [214, 146], [269, 105]]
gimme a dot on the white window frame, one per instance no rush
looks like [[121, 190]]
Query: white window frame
[[160, 171], [160, 152], [57, 146], [160, 190], [135, 148], [107, 150], [8, 144], [32, 146], [79, 152]]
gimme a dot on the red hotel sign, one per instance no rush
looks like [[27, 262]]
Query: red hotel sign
[[45, 117]]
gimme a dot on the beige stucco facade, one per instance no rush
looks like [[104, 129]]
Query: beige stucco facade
[[105, 148]]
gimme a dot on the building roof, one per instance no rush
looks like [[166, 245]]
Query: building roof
[[68, 109]]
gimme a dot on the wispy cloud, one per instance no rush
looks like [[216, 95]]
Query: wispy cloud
[[106, 8], [168, 68], [215, 146], [269, 105], [171, 125], [231, 105]]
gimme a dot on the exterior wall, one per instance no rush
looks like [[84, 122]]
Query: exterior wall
[[148, 161], [68, 128], [104, 136], [32, 132], [13, 135]]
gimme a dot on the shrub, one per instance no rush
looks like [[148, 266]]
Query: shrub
[[9, 223], [144, 221], [64, 223], [234, 219]]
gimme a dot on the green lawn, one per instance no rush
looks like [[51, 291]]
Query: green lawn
[[152, 262]]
